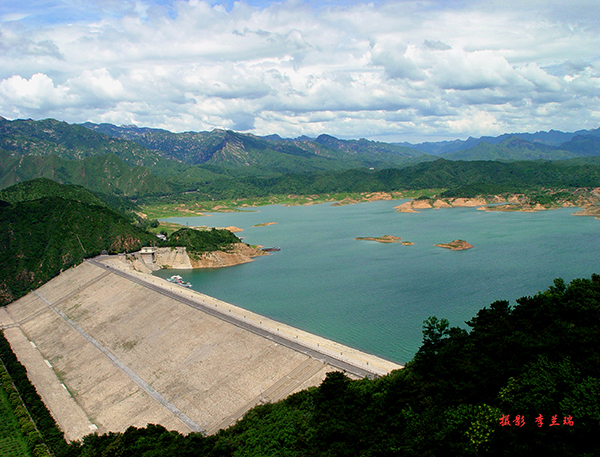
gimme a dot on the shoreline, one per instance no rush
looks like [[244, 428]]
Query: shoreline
[[368, 362], [585, 198], [162, 353]]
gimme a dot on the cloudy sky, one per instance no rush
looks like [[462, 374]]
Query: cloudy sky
[[385, 70]]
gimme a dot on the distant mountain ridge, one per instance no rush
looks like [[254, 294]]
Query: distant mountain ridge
[[228, 148], [68, 141], [221, 147], [550, 138]]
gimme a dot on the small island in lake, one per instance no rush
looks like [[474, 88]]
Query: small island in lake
[[385, 239], [456, 245], [264, 224]]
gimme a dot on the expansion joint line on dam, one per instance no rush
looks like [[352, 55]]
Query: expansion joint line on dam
[[65, 298], [296, 346], [128, 371]]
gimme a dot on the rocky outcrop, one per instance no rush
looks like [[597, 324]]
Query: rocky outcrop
[[593, 210], [234, 229], [381, 239], [172, 258], [365, 197], [414, 205], [436, 203], [468, 202], [456, 245]]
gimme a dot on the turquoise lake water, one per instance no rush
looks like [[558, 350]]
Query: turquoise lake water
[[375, 296]]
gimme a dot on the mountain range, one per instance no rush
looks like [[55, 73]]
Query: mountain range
[[132, 161], [552, 138], [226, 148], [221, 147]]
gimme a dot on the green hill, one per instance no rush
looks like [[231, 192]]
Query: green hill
[[105, 174], [197, 241], [43, 187], [39, 238]]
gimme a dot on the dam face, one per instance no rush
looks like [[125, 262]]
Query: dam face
[[107, 349]]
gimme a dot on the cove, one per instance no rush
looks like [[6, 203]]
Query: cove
[[375, 296]]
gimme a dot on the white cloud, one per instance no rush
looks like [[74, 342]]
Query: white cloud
[[36, 93], [398, 70]]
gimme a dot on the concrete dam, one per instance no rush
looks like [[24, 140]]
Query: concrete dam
[[107, 347]]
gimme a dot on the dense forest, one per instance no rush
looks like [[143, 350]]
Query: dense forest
[[197, 241], [39, 238], [522, 380], [46, 227], [464, 179]]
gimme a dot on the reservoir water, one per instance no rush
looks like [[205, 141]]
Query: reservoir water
[[375, 296]]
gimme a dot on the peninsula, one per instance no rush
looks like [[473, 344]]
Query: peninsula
[[533, 201], [150, 259]]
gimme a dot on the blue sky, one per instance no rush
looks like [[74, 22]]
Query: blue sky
[[385, 70]]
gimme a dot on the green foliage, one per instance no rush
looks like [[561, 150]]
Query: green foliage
[[197, 241], [151, 441], [12, 440], [106, 174], [22, 393], [39, 238]]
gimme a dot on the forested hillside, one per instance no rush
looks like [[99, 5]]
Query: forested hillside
[[43, 187], [106, 174], [39, 238], [523, 380], [460, 179], [47, 227]]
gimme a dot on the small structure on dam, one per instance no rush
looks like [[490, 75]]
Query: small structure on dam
[[108, 348], [148, 255]]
